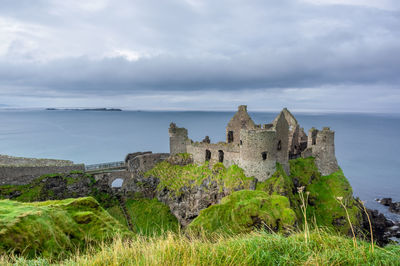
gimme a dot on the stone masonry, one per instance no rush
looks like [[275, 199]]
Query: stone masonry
[[257, 148]]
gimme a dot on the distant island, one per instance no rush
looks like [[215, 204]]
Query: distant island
[[84, 109]]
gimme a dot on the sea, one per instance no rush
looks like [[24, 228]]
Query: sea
[[367, 145]]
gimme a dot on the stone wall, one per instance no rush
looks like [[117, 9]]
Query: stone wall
[[230, 153], [6, 160], [22, 175], [144, 162]]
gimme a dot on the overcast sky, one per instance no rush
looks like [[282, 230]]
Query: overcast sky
[[307, 55]]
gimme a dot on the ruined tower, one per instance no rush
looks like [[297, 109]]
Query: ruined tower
[[321, 146], [258, 153], [178, 139]]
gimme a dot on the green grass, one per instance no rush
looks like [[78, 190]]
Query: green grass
[[151, 217], [244, 211], [323, 208], [54, 228], [117, 213], [175, 177], [256, 248]]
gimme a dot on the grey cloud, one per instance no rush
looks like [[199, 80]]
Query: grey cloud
[[213, 45]]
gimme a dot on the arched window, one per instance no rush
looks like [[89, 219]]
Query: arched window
[[220, 156], [208, 155], [279, 145]]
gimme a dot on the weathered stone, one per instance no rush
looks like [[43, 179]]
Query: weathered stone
[[257, 148], [143, 162]]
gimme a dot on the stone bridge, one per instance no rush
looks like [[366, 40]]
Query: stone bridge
[[134, 165]]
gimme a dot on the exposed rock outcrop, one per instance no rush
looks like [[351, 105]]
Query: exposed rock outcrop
[[383, 230], [394, 207]]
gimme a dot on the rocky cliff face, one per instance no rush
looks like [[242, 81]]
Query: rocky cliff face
[[189, 189]]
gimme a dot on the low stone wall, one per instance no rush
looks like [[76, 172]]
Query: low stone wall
[[22, 175], [6, 160]]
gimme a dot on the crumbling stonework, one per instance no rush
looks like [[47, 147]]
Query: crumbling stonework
[[178, 139], [241, 120], [257, 148], [321, 146], [143, 162]]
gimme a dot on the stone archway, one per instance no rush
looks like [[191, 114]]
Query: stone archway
[[117, 183]]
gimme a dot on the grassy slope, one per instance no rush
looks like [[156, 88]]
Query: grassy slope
[[257, 248], [51, 228], [151, 217], [244, 210], [323, 191]]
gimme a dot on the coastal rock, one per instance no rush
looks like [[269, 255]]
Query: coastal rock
[[394, 207], [383, 229]]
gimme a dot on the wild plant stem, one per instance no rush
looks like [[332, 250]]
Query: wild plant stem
[[370, 226], [351, 225]]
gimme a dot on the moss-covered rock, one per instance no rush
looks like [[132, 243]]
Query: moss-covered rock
[[243, 211], [54, 228], [51, 187], [175, 177], [190, 188]]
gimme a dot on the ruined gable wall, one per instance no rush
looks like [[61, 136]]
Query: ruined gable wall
[[254, 143], [241, 120], [282, 141]]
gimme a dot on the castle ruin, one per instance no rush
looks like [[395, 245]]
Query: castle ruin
[[257, 148]]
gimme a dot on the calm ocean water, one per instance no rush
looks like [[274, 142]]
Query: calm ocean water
[[366, 145]]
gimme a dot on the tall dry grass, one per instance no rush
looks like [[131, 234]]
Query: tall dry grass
[[257, 248]]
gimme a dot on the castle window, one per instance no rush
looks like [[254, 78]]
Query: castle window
[[208, 155], [264, 155], [220, 156], [314, 137], [230, 136], [279, 145], [241, 142]]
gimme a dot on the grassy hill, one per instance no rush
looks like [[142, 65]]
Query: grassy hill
[[54, 228]]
